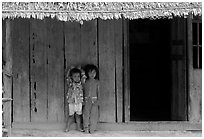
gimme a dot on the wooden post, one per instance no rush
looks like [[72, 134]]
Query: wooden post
[[126, 73], [126, 100], [7, 76], [118, 68]]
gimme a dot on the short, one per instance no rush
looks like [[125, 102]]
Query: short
[[73, 107]]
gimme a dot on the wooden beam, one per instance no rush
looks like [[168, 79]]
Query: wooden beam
[[7, 81]]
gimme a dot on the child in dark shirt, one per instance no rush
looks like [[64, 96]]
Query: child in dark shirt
[[91, 99]]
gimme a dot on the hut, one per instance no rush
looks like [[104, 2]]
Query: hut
[[148, 54]]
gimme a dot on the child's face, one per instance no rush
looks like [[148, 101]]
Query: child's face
[[92, 74], [76, 77]]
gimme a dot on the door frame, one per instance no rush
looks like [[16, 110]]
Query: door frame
[[126, 71], [126, 75]]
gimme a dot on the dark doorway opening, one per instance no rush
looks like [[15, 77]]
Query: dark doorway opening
[[150, 70]]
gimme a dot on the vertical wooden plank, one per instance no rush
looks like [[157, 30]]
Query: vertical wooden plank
[[126, 72], [72, 43], [190, 65], [3, 41], [20, 39], [119, 67], [38, 70], [107, 70], [72, 48], [7, 81], [89, 42], [55, 54]]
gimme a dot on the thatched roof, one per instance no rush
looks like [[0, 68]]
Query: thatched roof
[[83, 11]]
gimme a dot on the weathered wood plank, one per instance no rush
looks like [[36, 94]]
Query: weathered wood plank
[[3, 41], [7, 81], [55, 54], [118, 42], [38, 70], [20, 43], [107, 70], [88, 40], [126, 72], [72, 43]]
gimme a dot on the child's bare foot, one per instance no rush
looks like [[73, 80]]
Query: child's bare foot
[[86, 131], [81, 130], [91, 131]]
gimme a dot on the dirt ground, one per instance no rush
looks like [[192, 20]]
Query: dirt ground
[[74, 133]]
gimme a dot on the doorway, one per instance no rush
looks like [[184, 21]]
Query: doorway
[[150, 70]]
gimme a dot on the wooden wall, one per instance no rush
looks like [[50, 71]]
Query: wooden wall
[[44, 49]]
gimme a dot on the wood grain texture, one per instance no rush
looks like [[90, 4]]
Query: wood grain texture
[[38, 70], [107, 70], [126, 73], [88, 53], [55, 54], [118, 42], [7, 81], [72, 44], [20, 44]]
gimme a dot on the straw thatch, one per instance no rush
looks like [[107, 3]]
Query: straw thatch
[[84, 11]]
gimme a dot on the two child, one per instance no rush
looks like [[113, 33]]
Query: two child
[[81, 92]]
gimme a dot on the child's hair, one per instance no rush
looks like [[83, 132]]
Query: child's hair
[[91, 67], [74, 70]]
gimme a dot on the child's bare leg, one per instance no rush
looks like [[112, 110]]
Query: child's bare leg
[[93, 118], [70, 118], [69, 122], [86, 116], [79, 122]]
